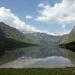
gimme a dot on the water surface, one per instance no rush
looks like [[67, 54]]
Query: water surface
[[38, 57]]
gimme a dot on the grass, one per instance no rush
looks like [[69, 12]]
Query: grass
[[38, 71]]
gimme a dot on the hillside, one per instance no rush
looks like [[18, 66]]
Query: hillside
[[69, 42], [71, 36], [11, 32], [11, 38]]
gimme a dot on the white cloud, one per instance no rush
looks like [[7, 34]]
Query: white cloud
[[12, 20], [61, 13], [49, 33], [28, 17], [63, 32]]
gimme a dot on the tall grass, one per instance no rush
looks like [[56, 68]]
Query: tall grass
[[38, 71]]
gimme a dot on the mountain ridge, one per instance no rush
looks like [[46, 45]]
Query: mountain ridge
[[69, 42]]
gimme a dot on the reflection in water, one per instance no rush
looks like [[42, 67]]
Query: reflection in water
[[36, 57], [39, 52], [70, 55], [49, 62]]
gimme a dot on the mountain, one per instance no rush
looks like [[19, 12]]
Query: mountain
[[15, 38], [69, 41], [71, 36], [44, 39], [7, 32], [11, 32], [11, 38]]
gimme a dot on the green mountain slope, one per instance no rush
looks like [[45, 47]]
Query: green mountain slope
[[11, 38], [69, 42], [71, 36]]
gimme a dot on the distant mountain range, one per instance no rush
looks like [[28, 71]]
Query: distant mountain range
[[44, 39]]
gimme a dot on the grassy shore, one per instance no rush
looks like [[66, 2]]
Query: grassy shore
[[38, 71]]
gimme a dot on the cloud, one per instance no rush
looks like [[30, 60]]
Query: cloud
[[64, 32], [12, 20], [61, 13], [28, 17]]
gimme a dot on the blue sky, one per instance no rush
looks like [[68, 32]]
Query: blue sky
[[30, 12]]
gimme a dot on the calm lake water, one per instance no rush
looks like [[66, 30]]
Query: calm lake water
[[43, 57]]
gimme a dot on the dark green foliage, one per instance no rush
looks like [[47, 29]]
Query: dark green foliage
[[8, 43], [38, 71], [11, 44], [70, 46]]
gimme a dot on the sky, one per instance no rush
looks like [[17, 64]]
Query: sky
[[55, 17]]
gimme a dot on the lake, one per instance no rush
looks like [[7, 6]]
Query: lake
[[38, 57]]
